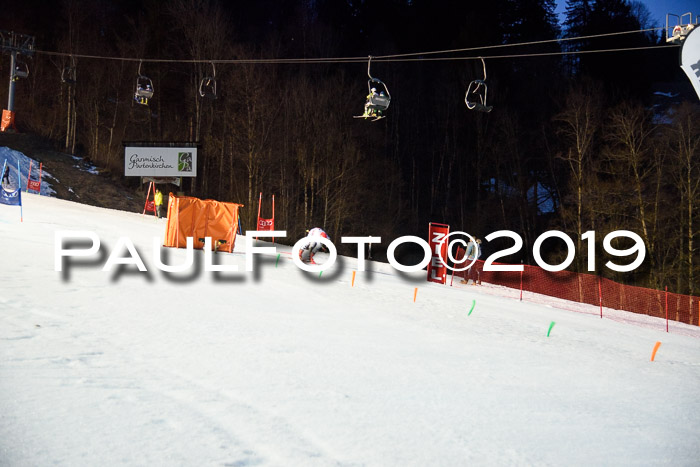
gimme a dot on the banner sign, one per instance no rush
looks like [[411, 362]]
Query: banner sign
[[162, 180], [11, 198], [8, 120], [437, 270], [266, 224], [160, 161]]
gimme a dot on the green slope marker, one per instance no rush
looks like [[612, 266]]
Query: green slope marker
[[550, 328], [278, 260], [472, 308]]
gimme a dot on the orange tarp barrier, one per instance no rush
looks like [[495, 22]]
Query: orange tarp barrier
[[8, 120], [196, 218]]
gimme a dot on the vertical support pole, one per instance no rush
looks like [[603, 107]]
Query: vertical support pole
[[666, 308], [273, 217], [148, 195], [257, 222], [29, 175], [11, 90], [521, 280], [19, 188], [600, 295]]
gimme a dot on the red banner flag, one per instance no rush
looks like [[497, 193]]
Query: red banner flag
[[437, 269]]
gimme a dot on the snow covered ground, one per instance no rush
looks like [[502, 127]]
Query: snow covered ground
[[282, 367]]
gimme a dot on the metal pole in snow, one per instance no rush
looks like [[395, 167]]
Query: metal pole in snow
[[600, 295], [19, 188], [29, 175], [257, 222], [521, 280], [666, 308]]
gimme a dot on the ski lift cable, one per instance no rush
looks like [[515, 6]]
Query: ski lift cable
[[363, 59], [519, 44], [382, 58], [543, 54]]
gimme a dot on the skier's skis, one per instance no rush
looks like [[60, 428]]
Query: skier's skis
[[373, 118]]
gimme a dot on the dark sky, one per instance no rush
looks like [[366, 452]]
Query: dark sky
[[658, 8]]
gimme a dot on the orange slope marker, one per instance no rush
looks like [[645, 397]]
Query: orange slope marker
[[653, 353]]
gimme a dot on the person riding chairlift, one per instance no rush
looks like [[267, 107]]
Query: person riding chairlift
[[369, 110], [142, 99]]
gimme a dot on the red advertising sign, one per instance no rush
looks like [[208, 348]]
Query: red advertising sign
[[266, 224], [437, 269], [34, 185]]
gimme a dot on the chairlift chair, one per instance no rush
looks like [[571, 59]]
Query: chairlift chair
[[207, 87], [380, 98], [475, 98], [21, 70], [68, 73], [144, 86]]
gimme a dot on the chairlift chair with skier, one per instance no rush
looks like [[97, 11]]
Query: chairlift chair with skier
[[378, 99], [477, 92], [144, 88]]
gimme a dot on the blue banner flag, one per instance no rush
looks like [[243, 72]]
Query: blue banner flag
[[11, 198]]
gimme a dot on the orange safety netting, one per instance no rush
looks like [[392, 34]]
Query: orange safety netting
[[196, 218], [592, 290]]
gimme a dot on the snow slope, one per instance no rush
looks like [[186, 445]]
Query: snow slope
[[285, 368]]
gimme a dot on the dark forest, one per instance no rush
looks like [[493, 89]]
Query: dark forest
[[575, 142]]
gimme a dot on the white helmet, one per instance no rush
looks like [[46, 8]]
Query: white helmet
[[374, 89]]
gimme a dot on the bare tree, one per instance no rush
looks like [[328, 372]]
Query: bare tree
[[579, 124], [631, 151], [684, 139]]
